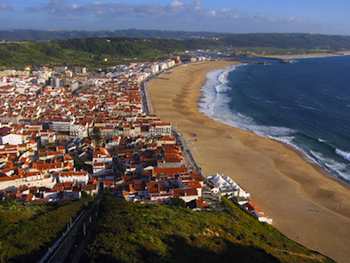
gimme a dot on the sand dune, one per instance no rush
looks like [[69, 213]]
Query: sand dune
[[305, 204]]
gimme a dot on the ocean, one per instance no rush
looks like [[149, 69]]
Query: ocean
[[305, 104]]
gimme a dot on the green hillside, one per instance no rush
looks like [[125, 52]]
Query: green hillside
[[27, 230], [100, 52], [129, 232], [88, 52], [273, 40]]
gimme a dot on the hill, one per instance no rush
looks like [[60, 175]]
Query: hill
[[42, 35], [101, 52], [129, 232], [89, 52], [27, 230], [272, 40]]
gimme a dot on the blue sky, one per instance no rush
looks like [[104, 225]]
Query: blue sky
[[311, 16]]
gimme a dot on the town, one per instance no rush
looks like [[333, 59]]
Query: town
[[66, 132]]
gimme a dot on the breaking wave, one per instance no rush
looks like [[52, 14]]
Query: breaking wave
[[345, 155], [215, 102]]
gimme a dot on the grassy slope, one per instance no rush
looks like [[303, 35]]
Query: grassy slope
[[26, 231], [27, 53], [87, 52], [149, 233]]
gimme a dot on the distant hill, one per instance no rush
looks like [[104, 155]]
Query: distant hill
[[128, 232], [91, 52], [40, 35], [95, 49], [273, 40]]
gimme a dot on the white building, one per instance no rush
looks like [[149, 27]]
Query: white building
[[227, 187], [29, 181], [60, 126], [14, 139], [163, 66], [155, 69], [80, 131], [74, 177], [161, 129]]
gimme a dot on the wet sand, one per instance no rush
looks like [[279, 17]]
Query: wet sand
[[305, 204]]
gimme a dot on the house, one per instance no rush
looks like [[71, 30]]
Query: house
[[3, 132], [47, 137], [169, 171], [81, 177], [91, 188], [160, 128], [60, 125], [29, 179], [13, 139], [79, 130], [186, 194], [101, 159]]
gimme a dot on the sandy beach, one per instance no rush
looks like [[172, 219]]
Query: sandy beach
[[305, 204]]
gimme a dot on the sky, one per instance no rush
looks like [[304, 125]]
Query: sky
[[234, 16]]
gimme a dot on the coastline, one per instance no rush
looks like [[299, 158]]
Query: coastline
[[218, 79], [289, 189], [305, 56]]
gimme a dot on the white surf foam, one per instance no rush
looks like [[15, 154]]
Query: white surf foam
[[341, 169], [344, 154], [215, 104]]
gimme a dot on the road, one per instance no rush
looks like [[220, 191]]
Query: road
[[70, 246], [146, 99], [187, 152], [148, 109]]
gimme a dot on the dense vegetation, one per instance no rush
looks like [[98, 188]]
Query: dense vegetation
[[124, 47], [93, 52], [300, 41], [88, 52], [99, 52], [129, 232], [27, 230]]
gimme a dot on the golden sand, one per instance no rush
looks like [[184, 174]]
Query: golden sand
[[305, 204]]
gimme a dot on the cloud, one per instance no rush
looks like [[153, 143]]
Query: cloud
[[175, 14], [5, 6], [63, 7], [177, 4], [197, 4], [66, 7]]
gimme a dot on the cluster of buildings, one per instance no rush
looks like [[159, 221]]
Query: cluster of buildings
[[65, 132], [224, 186]]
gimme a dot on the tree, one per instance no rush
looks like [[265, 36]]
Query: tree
[[96, 135], [177, 202]]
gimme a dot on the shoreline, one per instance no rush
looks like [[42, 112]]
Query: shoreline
[[306, 56], [284, 185], [294, 148], [291, 146]]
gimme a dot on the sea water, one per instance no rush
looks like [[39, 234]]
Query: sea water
[[305, 104]]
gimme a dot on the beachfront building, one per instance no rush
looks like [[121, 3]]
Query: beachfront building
[[160, 128], [225, 186]]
